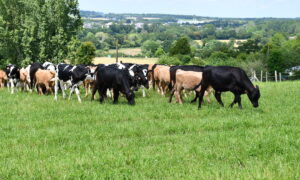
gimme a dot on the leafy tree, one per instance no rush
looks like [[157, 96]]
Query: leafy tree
[[159, 52], [150, 47], [86, 53], [181, 46]]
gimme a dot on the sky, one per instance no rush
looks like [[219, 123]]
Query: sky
[[212, 8]]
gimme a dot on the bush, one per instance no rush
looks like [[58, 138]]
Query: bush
[[86, 53], [169, 60], [197, 61]]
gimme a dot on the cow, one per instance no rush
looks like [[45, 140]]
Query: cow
[[187, 80], [227, 78], [116, 79], [45, 79], [71, 75], [88, 83], [173, 70], [13, 74], [155, 76], [3, 78], [162, 76], [31, 70], [49, 66], [24, 83]]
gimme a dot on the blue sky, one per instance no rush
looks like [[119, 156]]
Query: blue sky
[[214, 8]]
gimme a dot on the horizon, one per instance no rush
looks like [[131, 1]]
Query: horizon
[[203, 8]]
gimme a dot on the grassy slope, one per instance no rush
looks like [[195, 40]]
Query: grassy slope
[[42, 138]]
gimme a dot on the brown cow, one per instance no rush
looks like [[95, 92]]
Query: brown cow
[[163, 76], [89, 83], [45, 79], [3, 78], [24, 83], [187, 80], [156, 77]]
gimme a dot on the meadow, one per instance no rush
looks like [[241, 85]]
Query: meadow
[[44, 139]]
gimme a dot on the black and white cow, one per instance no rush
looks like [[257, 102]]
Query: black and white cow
[[110, 77], [13, 74], [49, 66], [70, 75], [227, 78], [138, 74]]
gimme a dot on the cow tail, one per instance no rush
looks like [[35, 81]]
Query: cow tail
[[153, 82], [197, 86]]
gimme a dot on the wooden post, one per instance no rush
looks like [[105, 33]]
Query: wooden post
[[117, 49], [261, 76], [280, 77], [276, 76], [267, 76]]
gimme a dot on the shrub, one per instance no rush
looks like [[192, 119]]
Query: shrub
[[86, 53], [169, 60]]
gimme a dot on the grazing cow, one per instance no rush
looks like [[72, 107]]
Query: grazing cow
[[32, 69], [117, 79], [13, 74], [162, 76], [187, 80], [226, 78], [24, 83], [3, 78], [45, 79], [173, 70], [72, 75]]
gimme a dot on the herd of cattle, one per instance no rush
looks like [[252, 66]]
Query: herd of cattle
[[128, 78]]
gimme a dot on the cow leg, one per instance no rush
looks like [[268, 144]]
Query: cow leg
[[201, 94], [102, 92], [237, 99], [218, 97], [77, 93], [62, 86], [108, 94], [196, 96], [55, 88], [116, 96], [143, 91], [12, 85], [171, 95], [93, 92]]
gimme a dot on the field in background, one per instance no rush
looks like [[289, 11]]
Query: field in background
[[44, 139], [106, 60], [128, 51], [224, 41]]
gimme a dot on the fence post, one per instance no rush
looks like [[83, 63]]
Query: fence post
[[261, 76], [266, 76], [280, 77], [275, 75]]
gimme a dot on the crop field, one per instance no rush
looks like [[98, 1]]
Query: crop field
[[106, 60], [44, 139], [128, 51]]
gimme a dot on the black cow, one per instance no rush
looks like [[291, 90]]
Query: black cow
[[71, 76], [173, 70], [226, 78], [116, 79], [13, 74], [31, 70]]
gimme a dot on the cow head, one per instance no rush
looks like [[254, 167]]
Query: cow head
[[254, 96], [130, 98], [12, 71], [141, 78]]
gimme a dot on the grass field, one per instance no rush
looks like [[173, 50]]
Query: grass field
[[44, 139], [106, 60]]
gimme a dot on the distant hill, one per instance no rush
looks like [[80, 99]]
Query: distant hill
[[91, 14]]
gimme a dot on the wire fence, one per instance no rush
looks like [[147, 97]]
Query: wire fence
[[273, 77]]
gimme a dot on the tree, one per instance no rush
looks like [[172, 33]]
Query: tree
[[86, 53], [181, 46], [159, 52], [149, 47]]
